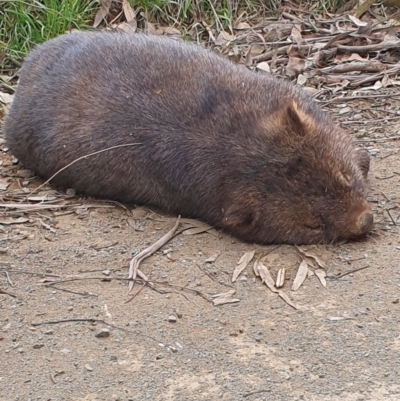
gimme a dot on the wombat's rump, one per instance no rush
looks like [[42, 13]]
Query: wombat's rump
[[242, 151]]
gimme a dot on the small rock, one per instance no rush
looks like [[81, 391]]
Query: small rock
[[103, 333], [3, 250], [88, 368], [38, 346], [65, 351], [21, 350], [49, 332], [159, 356], [106, 272], [70, 308], [172, 319]]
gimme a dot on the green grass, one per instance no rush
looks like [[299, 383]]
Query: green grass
[[24, 23]]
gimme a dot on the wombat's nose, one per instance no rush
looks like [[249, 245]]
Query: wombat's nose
[[365, 222]]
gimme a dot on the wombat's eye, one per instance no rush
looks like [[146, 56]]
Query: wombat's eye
[[314, 224]]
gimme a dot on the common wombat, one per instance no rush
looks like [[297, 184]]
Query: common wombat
[[245, 152]]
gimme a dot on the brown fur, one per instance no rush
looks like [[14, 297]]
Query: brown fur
[[246, 152]]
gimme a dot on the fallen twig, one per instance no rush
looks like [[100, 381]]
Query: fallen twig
[[7, 293], [348, 272], [135, 262], [92, 320]]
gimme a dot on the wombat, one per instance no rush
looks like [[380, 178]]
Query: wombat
[[242, 151]]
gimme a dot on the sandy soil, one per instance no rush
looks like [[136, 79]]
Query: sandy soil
[[342, 343]]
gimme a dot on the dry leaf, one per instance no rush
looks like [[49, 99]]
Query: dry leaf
[[222, 301], [354, 56], [295, 66], [286, 299], [224, 298], [128, 11], [269, 281], [149, 28], [311, 256], [296, 35], [6, 98], [300, 276], [213, 258], [255, 267], [321, 274], [243, 25], [302, 79], [171, 31], [243, 262], [9, 220], [264, 66], [223, 37], [266, 277], [357, 21], [129, 27], [345, 110], [224, 294], [4, 185], [102, 13], [280, 278]]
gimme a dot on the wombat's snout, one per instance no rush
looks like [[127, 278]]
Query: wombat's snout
[[365, 222], [362, 221]]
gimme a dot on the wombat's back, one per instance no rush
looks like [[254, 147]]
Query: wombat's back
[[84, 92]]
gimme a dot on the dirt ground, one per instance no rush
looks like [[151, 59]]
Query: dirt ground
[[341, 343]]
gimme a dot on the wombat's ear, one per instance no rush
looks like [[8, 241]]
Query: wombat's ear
[[235, 217], [363, 159], [301, 122]]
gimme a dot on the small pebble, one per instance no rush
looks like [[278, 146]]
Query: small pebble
[[38, 346], [65, 351], [88, 368], [172, 319], [103, 333], [49, 332]]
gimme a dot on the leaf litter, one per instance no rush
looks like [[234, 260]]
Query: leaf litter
[[241, 265], [268, 280]]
